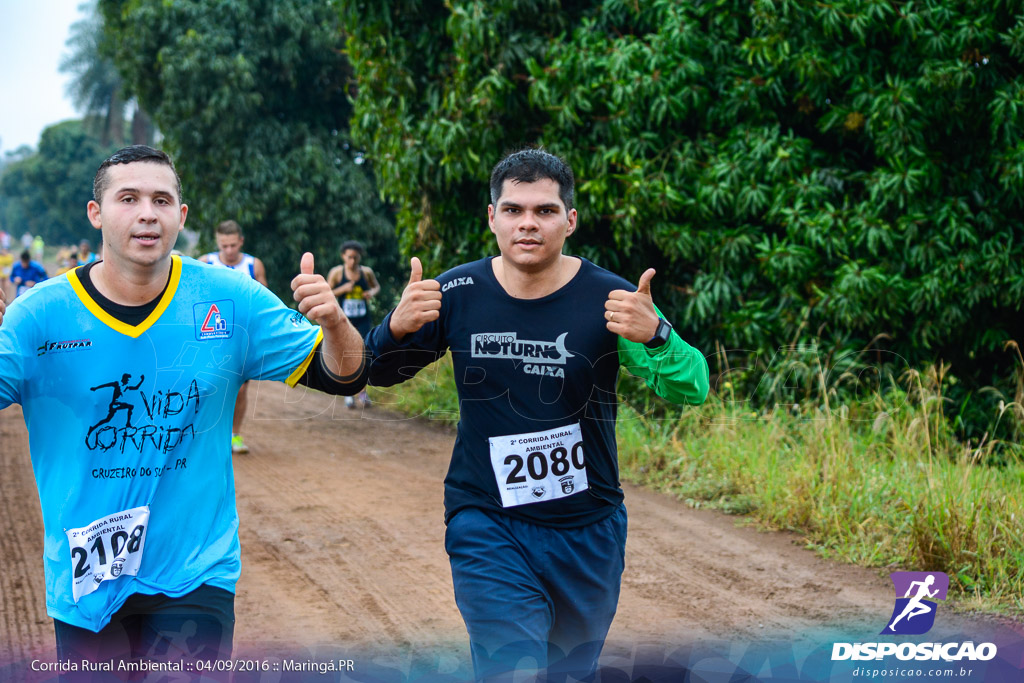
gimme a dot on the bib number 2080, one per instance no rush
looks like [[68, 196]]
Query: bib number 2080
[[539, 466], [107, 549]]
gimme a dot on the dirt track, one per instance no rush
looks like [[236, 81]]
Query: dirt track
[[342, 541]]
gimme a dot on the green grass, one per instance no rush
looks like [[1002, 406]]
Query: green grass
[[882, 485]]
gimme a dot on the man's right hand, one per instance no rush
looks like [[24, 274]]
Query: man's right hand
[[420, 304], [3, 304]]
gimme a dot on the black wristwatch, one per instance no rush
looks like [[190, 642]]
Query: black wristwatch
[[661, 336]]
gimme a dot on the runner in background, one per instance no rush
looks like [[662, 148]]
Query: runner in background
[[26, 274], [67, 259], [85, 253], [38, 248], [354, 284], [229, 254], [6, 263]]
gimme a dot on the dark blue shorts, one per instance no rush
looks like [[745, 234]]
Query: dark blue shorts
[[198, 626], [535, 597]]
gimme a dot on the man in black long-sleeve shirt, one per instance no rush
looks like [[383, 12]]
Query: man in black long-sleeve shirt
[[536, 525]]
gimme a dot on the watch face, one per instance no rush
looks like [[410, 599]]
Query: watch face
[[661, 335]]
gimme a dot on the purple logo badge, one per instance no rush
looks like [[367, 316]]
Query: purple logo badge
[[916, 593]]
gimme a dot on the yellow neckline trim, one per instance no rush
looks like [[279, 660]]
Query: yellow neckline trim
[[113, 323]]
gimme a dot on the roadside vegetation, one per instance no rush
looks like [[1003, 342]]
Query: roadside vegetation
[[882, 482]]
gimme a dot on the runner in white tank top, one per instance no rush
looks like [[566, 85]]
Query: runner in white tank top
[[247, 265], [229, 254]]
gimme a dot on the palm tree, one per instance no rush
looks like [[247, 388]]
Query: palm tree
[[97, 89]]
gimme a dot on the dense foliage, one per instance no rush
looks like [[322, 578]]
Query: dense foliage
[[45, 193], [252, 100], [848, 175]]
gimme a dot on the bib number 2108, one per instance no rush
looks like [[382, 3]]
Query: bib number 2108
[[107, 549], [539, 466]]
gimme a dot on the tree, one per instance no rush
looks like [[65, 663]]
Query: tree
[[96, 86], [252, 99], [847, 174], [46, 193], [96, 89]]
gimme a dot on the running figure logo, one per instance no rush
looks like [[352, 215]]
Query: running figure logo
[[116, 404], [914, 612]]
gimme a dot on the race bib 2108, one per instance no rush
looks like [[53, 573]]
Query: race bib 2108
[[107, 549]]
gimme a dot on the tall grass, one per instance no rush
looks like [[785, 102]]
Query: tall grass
[[883, 483]]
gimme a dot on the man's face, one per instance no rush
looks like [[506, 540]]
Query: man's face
[[229, 248], [530, 223], [84, 248], [139, 215], [351, 258]]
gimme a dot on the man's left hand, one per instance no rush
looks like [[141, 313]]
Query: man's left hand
[[631, 314], [314, 296]]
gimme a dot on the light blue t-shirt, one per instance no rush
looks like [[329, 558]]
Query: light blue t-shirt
[[130, 429]]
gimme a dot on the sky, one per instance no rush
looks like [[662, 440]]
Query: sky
[[32, 36]]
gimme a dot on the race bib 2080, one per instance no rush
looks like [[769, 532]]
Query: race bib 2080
[[539, 466], [107, 549]]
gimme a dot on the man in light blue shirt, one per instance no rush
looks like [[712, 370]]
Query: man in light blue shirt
[[127, 369]]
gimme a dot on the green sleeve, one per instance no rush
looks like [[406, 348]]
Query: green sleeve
[[675, 371]]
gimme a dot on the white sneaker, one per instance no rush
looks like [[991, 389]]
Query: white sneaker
[[350, 402]]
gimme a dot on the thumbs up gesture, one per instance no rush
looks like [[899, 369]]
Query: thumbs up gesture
[[631, 314], [314, 296], [420, 304], [3, 307]]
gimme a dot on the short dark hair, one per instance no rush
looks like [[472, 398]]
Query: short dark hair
[[529, 166], [26, 256], [352, 244], [129, 155], [229, 227]]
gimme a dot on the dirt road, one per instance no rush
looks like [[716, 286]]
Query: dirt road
[[342, 541]]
